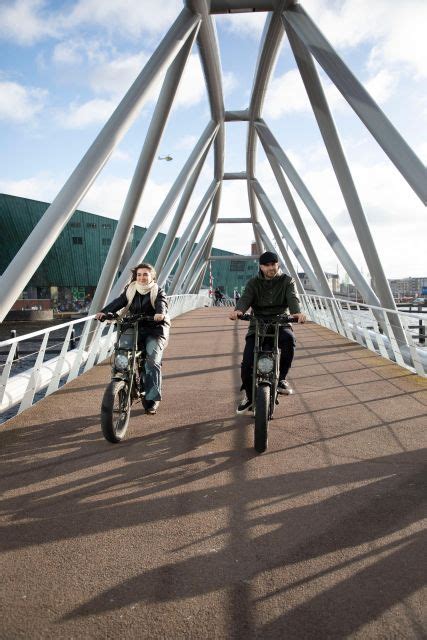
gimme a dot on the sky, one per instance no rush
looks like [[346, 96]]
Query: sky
[[65, 66]]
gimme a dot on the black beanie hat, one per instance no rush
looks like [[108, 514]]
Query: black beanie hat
[[267, 257]]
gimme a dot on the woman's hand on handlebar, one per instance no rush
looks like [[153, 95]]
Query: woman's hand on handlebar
[[300, 316], [101, 316], [234, 315]]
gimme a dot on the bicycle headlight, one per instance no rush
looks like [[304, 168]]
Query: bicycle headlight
[[121, 361], [265, 365]]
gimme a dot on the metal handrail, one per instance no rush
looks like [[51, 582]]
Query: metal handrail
[[372, 327], [93, 345]]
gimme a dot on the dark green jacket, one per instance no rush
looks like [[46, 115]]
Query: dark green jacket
[[269, 297]]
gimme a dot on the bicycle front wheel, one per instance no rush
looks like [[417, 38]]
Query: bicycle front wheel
[[262, 404], [115, 411]]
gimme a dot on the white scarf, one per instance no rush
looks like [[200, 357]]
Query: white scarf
[[152, 288]]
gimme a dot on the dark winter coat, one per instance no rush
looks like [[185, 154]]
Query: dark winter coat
[[269, 297], [141, 304]]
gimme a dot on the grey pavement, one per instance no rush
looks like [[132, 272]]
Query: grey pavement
[[182, 531]]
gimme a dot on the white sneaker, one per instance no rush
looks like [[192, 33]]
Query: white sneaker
[[284, 388], [245, 405]]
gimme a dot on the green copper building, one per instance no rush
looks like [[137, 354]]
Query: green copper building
[[69, 273]]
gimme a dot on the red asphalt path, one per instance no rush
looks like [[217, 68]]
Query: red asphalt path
[[183, 532]]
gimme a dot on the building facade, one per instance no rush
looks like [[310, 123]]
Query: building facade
[[408, 287], [69, 274]]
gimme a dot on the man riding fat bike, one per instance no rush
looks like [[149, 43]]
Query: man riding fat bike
[[270, 293]]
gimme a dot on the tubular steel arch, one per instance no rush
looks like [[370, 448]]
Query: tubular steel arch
[[189, 258]]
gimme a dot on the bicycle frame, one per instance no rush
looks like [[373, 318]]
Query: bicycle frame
[[127, 359], [266, 347]]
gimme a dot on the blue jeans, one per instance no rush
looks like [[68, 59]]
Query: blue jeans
[[154, 346]]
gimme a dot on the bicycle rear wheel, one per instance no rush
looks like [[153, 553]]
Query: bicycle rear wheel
[[262, 404]]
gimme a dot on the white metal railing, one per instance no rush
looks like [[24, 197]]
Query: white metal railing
[[224, 302], [395, 335], [28, 373]]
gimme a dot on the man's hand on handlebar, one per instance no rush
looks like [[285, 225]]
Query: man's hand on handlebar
[[234, 315], [158, 317], [301, 317]]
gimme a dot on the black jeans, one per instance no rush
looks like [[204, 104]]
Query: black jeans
[[287, 343]]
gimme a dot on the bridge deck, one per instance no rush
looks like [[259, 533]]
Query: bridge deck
[[182, 532]]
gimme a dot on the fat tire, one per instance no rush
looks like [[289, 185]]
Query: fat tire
[[114, 426], [262, 404]]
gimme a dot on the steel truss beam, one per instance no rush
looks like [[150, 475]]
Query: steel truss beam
[[186, 280], [359, 99], [139, 180], [209, 53], [270, 143], [193, 233], [41, 239], [269, 49], [189, 233], [336, 153], [299, 224], [191, 260], [274, 220], [152, 231], [179, 214]]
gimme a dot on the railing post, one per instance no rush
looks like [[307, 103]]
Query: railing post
[[422, 332], [13, 335]]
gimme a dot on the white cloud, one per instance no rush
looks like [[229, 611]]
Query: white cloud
[[229, 82], [125, 16], [381, 87], [87, 114], [120, 155], [395, 30], [243, 24], [25, 22], [186, 142], [75, 51], [285, 94], [192, 87], [20, 104], [115, 76], [29, 21], [66, 53], [42, 186], [107, 196]]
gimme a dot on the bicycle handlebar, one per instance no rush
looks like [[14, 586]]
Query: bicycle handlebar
[[130, 319], [285, 319]]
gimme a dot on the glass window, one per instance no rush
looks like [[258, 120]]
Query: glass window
[[77, 240], [91, 225], [106, 242], [75, 225]]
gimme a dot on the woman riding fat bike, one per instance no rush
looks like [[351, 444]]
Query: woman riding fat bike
[[127, 376], [143, 297]]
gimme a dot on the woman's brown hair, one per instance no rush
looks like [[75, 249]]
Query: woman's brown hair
[[143, 265]]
